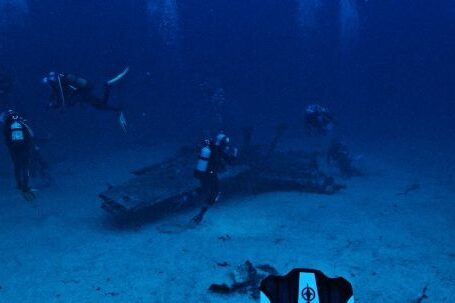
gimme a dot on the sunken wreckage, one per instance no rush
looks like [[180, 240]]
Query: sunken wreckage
[[170, 186]]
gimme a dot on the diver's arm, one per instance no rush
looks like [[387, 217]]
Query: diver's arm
[[29, 130], [229, 155]]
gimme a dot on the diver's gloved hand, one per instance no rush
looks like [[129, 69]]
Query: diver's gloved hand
[[234, 153], [123, 122]]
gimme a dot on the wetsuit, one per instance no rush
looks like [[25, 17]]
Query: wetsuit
[[19, 140], [305, 285], [210, 184], [68, 89]]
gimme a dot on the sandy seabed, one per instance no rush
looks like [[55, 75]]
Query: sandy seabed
[[389, 246]]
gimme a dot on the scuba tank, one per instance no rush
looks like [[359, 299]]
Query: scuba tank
[[203, 161], [17, 130]]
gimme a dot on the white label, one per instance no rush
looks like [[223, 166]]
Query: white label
[[264, 298], [308, 289]]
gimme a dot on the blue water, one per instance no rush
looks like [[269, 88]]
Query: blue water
[[384, 68], [360, 58]]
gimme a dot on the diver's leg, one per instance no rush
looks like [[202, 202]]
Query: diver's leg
[[106, 107], [111, 108], [204, 193], [210, 187], [26, 170], [17, 171], [102, 104], [214, 190], [105, 101], [21, 163]]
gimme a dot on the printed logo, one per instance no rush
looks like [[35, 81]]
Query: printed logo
[[308, 294]]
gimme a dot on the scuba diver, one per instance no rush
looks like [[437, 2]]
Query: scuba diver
[[69, 89], [317, 120], [19, 140], [213, 158]]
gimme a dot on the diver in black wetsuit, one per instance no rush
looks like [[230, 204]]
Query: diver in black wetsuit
[[212, 160], [19, 140], [69, 89]]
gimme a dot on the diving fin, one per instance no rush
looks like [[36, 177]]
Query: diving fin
[[29, 195], [123, 122], [118, 77]]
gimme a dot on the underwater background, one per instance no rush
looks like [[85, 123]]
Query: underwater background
[[385, 69], [386, 60]]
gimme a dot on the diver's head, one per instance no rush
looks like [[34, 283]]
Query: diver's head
[[208, 142], [222, 140], [314, 108], [51, 77], [12, 115]]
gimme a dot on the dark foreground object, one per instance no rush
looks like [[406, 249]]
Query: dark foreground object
[[306, 285], [300, 285]]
